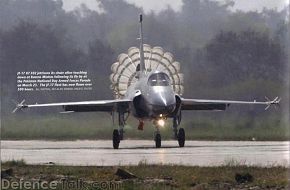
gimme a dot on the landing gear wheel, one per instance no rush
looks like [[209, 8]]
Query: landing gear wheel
[[181, 137], [116, 139], [157, 140]]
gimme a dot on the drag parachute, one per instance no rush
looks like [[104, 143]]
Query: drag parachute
[[124, 71]]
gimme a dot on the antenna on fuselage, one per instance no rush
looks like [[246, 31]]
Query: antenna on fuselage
[[142, 63]]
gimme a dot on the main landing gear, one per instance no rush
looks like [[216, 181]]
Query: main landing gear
[[180, 135], [116, 139], [118, 134]]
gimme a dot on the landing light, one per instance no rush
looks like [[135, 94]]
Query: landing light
[[161, 122]]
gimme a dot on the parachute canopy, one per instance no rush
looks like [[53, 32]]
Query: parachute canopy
[[124, 70]]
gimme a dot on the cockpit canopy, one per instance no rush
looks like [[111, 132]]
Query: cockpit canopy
[[159, 79]]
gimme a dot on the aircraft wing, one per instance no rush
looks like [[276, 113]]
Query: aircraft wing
[[219, 105], [84, 106]]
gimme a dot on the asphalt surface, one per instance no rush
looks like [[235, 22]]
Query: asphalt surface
[[133, 152]]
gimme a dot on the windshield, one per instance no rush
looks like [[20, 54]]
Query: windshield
[[159, 79]]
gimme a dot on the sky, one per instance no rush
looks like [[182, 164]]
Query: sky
[[157, 6]]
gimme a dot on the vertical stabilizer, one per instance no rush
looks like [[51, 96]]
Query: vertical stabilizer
[[142, 63]]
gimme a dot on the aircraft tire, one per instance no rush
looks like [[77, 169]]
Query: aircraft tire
[[116, 139], [157, 140], [181, 137]]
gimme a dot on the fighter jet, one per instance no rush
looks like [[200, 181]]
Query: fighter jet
[[148, 85]]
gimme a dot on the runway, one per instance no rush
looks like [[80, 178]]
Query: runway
[[133, 152]]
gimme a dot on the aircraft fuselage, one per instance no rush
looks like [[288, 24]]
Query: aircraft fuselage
[[152, 98]]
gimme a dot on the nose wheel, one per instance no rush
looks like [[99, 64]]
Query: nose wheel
[[181, 137], [116, 139], [157, 140], [157, 136]]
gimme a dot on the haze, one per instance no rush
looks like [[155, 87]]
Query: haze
[[157, 6]]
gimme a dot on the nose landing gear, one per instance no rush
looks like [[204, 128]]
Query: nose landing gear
[[157, 136], [157, 140]]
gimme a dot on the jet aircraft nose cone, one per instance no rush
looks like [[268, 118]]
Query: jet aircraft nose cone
[[163, 104]]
